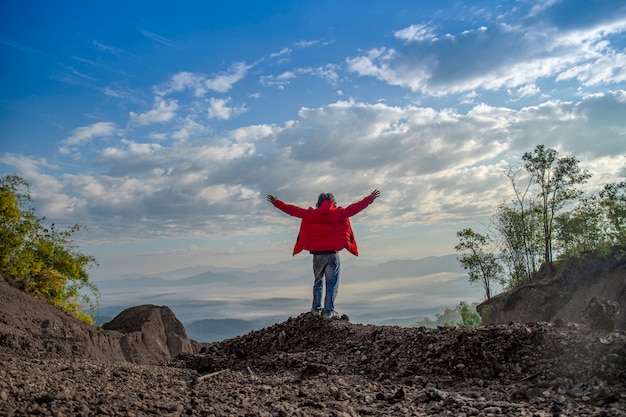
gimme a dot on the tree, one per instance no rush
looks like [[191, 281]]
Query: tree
[[469, 316], [546, 216], [613, 201], [10, 237], [482, 267], [556, 180], [582, 229], [464, 315], [45, 260], [519, 242], [16, 223], [519, 228]]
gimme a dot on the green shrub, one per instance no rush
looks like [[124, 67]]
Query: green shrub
[[46, 260]]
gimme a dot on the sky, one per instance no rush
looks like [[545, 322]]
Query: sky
[[162, 126]]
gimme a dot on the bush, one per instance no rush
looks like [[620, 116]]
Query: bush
[[45, 260], [463, 315], [469, 316]]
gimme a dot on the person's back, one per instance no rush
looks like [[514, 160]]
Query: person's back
[[324, 231]]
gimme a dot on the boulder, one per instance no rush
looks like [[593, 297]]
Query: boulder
[[601, 314], [151, 334]]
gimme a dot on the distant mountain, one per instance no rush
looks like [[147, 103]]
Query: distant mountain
[[214, 330], [227, 302], [413, 268], [99, 319]]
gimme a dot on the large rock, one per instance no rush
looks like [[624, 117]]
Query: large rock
[[601, 314], [564, 296], [150, 334]]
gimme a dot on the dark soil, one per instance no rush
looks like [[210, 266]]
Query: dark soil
[[311, 366]]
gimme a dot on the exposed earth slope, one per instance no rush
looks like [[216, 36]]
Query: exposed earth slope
[[565, 295]]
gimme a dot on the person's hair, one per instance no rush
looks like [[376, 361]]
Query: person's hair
[[323, 197]]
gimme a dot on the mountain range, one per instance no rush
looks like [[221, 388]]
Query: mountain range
[[219, 303]]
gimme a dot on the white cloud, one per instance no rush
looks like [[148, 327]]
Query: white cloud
[[182, 167], [111, 49], [327, 72], [434, 166], [50, 195], [430, 108], [281, 80], [219, 109], [122, 93], [524, 91], [27, 166], [497, 57], [163, 111], [416, 33], [251, 133], [185, 81], [541, 6], [86, 133], [307, 44], [200, 83], [190, 128], [158, 38], [223, 82], [82, 135], [281, 53], [604, 70], [374, 63]]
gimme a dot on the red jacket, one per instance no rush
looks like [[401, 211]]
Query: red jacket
[[326, 228]]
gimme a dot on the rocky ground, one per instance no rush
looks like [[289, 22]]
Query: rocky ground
[[52, 365], [311, 366]]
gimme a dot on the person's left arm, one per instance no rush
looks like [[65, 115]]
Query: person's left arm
[[359, 206]]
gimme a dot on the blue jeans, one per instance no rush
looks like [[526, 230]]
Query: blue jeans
[[325, 266]]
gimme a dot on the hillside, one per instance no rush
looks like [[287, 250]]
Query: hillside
[[305, 366], [565, 295], [32, 327]]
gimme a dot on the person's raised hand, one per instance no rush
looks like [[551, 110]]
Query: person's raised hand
[[271, 198], [375, 194]]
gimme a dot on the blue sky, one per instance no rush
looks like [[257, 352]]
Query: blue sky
[[161, 126]]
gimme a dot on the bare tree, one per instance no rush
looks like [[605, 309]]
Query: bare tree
[[556, 180]]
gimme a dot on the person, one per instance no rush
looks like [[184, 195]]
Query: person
[[324, 231]]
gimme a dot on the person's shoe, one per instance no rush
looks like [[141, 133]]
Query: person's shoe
[[332, 315], [318, 312]]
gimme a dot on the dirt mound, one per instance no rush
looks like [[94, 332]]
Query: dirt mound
[[566, 295], [313, 365], [505, 353]]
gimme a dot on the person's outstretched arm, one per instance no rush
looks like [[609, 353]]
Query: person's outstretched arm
[[354, 208], [290, 209]]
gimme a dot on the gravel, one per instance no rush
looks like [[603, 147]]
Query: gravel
[[311, 366]]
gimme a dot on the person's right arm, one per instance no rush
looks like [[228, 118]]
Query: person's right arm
[[290, 209]]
